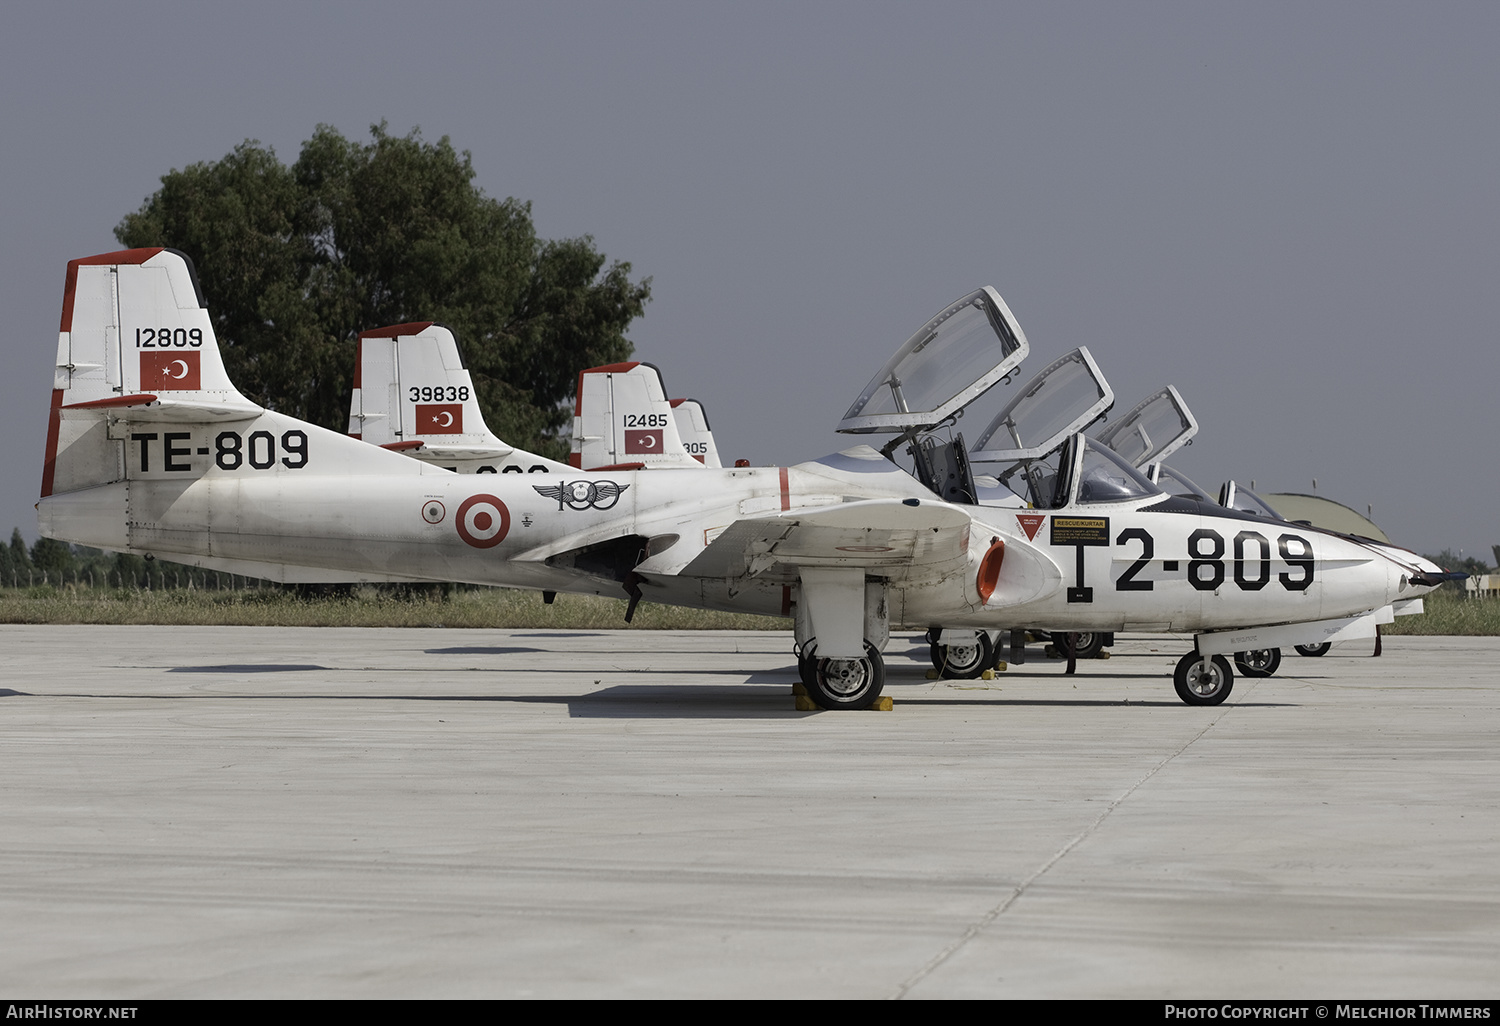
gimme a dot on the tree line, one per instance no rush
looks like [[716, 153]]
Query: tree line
[[296, 260], [49, 562]]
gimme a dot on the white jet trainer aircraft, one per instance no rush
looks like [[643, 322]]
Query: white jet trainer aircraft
[[412, 394], [151, 449]]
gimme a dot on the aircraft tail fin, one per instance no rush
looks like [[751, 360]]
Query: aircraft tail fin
[[697, 436], [413, 394], [624, 421], [411, 386], [135, 342]]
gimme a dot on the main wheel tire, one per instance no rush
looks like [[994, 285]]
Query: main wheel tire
[[1085, 646], [1260, 662], [966, 661], [807, 662], [1314, 650], [1203, 680], [848, 683]]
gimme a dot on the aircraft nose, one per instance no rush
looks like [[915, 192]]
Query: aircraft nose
[[1427, 581], [1419, 575]]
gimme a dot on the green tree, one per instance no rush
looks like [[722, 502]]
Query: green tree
[[20, 559], [52, 555], [1449, 560], [296, 261]]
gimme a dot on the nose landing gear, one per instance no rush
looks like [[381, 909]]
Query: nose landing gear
[[1203, 680]]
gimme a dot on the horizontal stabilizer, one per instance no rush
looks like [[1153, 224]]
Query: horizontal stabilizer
[[157, 410]]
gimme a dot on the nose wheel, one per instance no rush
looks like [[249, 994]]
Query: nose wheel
[[1203, 680]]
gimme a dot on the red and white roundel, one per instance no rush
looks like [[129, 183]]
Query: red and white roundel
[[482, 521]]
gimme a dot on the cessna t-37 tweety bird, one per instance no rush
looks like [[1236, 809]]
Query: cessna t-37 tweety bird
[[623, 421], [412, 394], [1069, 395], [151, 449]]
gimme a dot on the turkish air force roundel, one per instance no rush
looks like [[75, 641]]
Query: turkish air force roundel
[[482, 521]]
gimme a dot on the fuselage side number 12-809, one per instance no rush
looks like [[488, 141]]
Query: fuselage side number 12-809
[[1249, 562]]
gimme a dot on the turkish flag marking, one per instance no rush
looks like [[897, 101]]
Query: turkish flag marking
[[1030, 523], [171, 371], [440, 418], [639, 442]]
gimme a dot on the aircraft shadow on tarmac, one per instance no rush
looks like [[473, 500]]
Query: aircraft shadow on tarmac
[[767, 695], [250, 668], [483, 650]]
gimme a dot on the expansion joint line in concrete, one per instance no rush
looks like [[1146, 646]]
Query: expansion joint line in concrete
[[980, 924]]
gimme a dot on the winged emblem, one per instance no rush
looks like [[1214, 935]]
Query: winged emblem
[[582, 495]]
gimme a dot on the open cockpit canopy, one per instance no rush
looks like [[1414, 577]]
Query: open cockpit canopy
[[1067, 396], [946, 365], [1153, 430], [1237, 496], [1176, 483], [1080, 472]]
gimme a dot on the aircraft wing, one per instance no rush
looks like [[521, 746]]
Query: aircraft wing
[[893, 538]]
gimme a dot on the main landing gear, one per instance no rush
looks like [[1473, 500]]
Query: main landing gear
[[1261, 662], [841, 683]]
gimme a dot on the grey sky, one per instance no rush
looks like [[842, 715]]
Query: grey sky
[[1289, 211]]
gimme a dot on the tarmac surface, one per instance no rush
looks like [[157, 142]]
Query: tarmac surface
[[293, 813]]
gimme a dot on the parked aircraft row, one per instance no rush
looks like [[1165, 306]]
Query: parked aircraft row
[[624, 420], [152, 449]]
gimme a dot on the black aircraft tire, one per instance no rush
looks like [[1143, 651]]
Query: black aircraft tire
[[1261, 662], [963, 662], [1314, 650], [807, 662], [1085, 646], [1203, 681], [848, 683]]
